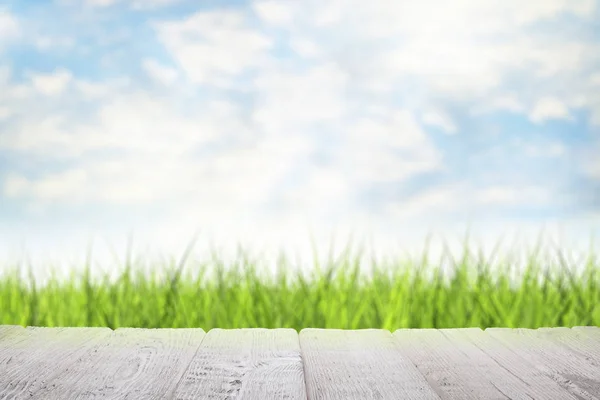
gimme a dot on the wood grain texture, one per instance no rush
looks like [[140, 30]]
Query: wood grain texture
[[41, 354], [143, 363], [10, 334], [461, 368], [578, 375], [359, 364], [593, 332], [575, 341], [252, 364], [10, 330], [522, 381], [249, 364]]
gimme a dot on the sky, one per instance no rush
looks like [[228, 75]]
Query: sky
[[263, 122]]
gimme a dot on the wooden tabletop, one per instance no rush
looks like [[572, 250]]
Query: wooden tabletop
[[131, 363]]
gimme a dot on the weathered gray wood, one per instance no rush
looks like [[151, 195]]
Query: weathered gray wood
[[40, 355], [574, 340], [143, 363], [542, 386], [359, 364], [64, 363], [463, 370], [249, 364], [10, 334], [444, 365], [592, 332], [11, 337], [6, 330], [577, 375]]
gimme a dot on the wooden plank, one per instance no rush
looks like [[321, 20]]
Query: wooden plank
[[6, 330], [574, 340], [542, 386], [462, 370], [577, 375], [249, 364], [60, 363], [10, 334], [359, 364], [40, 355], [444, 365], [592, 332], [10, 338], [130, 363]]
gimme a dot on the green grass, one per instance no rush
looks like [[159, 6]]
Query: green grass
[[409, 293]]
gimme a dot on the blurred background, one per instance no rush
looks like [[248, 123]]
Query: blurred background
[[262, 122]]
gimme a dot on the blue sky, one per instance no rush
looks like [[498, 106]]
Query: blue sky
[[255, 121]]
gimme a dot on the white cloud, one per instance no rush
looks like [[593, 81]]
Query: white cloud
[[42, 133], [431, 201], [439, 119], [15, 185], [549, 108], [150, 4], [565, 56], [592, 169], [214, 46], [46, 43], [91, 90], [330, 13], [52, 84], [276, 12], [591, 162], [463, 18], [448, 199], [326, 190], [305, 48], [465, 52], [135, 4], [550, 150], [286, 101], [501, 102], [5, 112], [9, 28], [513, 196], [455, 67], [229, 182], [121, 123], [159, 163], [5, 75], [158, 72], [389, 149], [100, 3], [56, 186]]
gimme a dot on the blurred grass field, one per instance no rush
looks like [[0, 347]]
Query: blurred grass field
[[403, 293]]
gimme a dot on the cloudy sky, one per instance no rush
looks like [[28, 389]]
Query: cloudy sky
[[261, 121]]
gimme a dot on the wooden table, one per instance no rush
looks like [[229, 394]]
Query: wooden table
[[130, 363]]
